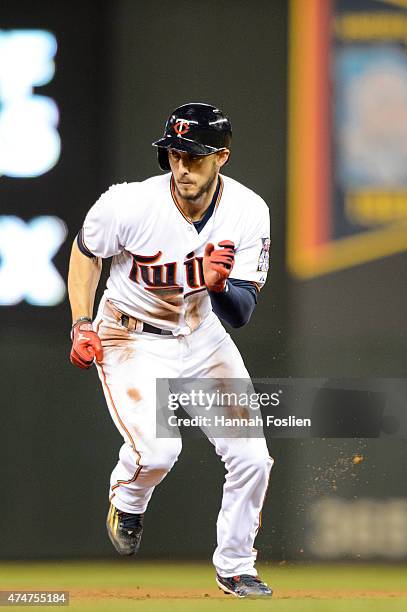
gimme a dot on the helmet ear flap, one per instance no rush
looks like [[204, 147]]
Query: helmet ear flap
[[162, 155]]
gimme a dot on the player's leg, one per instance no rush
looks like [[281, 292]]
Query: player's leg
[[143, 460], [131, 363], [246, 459], [248, 466]]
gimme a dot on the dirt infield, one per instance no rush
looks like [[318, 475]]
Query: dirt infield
[[125, 585], [152, 593]]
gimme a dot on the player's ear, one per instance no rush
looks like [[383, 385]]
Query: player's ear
[[222, 157]]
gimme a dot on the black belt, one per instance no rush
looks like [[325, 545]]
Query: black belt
[[151, 329]]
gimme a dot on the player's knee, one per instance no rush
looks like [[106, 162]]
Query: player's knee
[[164, 457], [258, 465]]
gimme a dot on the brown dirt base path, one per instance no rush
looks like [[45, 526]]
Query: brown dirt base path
[[153, 593]]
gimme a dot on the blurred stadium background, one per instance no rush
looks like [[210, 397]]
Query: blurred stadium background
[[317, 94]]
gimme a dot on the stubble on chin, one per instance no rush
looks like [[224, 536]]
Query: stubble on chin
[[196, 196]]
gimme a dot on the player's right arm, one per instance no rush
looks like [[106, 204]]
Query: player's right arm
[[103, 235], [83, 278]]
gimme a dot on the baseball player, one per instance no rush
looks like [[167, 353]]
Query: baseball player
[[189, 247]]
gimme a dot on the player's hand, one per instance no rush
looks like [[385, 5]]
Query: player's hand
[[86, 346], [218, 264]]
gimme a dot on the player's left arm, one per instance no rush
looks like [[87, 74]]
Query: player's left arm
[[236, 303], [234, 299]]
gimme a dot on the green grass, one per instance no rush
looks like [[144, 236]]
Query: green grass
[[130, 574]]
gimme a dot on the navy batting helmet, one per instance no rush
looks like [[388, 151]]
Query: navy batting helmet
[[196, 128]]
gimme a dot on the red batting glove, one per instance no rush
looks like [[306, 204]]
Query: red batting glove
[[218, 264], [86, 346]]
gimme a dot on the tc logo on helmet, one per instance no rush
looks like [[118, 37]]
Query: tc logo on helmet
[[181, 127]]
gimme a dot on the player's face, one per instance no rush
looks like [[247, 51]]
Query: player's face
[[194, 175]]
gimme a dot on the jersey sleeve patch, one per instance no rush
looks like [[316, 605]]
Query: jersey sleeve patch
[[264, 258]]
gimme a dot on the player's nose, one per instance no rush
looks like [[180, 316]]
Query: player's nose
[[182, 164]]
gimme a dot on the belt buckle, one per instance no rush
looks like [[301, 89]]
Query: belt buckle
[[128, 322], [124, 320], [139, 326], [131, 324]]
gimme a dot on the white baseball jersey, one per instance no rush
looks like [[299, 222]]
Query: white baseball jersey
[[156, 273]]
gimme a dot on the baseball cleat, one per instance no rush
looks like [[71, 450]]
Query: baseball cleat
[[244, 586], [125, 530]]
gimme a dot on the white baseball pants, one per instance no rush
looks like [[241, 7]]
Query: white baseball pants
[[131, 363]]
